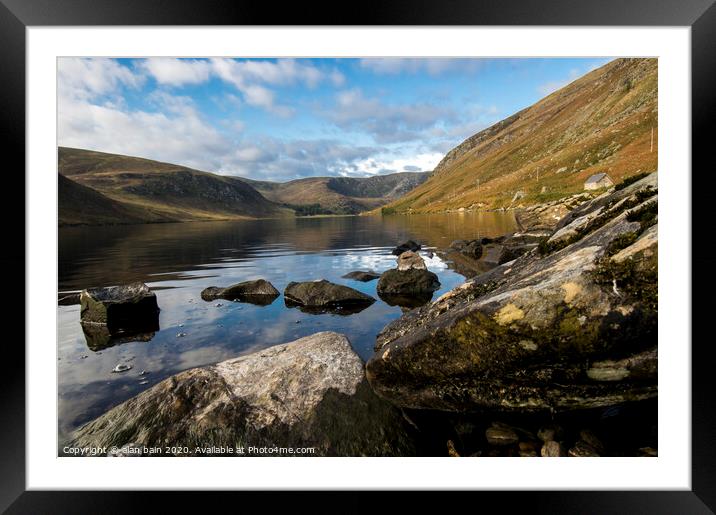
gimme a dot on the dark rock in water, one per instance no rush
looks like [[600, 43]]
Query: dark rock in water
[[408, 282], [68, 299], [404, 247], [552, 449], [259, 292], [118, 314], [325, 295], [117, 304], [406, 301], [568, 328], [501, 435], [471, 248], [310, 392], [359, 275]]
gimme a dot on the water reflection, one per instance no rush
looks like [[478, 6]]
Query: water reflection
[[178, 261]]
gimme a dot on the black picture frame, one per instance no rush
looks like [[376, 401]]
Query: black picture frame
[[17, 15]]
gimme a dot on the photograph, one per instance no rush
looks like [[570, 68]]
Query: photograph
[[357, 256]]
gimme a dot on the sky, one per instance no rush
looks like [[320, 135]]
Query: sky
[[284, 119]]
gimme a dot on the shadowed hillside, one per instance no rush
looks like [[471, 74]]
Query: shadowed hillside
[[161, 191], [605, 121], [339, 195], [80, 205]]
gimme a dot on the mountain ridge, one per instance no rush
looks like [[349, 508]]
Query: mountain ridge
[[604, 121]]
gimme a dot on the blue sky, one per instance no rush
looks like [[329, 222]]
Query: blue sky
[[283, 119]]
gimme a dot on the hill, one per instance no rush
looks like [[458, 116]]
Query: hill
[[605, 121], [339, 195], [155, 191], [80, 205]]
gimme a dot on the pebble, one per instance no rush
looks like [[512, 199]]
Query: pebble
[[121, 367], [583, 450], [84, 357], [552, 449], [218, 305], [501, 436], [451, 449]]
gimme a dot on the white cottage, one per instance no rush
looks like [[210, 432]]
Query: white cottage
[[597, 181]]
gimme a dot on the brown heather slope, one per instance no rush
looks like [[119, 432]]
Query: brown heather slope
[[601, 122], [339, 195], [155, 191]]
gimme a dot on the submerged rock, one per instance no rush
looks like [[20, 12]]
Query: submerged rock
[[325, 295], [413, 281], [409, 260], [310, 392], [359, 275], [404, 247], [567, 328], [118, 314], [100, 336], [259, 291]]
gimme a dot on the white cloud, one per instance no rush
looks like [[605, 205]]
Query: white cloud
[[93, 77], [387, 123], [176, 72]]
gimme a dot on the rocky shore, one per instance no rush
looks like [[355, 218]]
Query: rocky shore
[[550, 349]]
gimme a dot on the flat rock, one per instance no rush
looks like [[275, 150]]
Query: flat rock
[[324, 294], [310, 392], [500, 435], [362, 276], [259, 291]]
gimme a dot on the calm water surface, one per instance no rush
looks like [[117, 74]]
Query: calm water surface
[[179, 260]]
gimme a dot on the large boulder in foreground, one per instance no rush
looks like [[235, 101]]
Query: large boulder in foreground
[[118, 306], [570, 325], [325, 295], [310, 392], [259, 291]]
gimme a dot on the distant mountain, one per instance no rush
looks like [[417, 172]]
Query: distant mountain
[[146, 191], [605, 121], [339, 195]]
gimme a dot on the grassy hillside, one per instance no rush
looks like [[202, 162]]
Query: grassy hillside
[[162, 191], [80, 205], [339, 195], [601, 122]]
